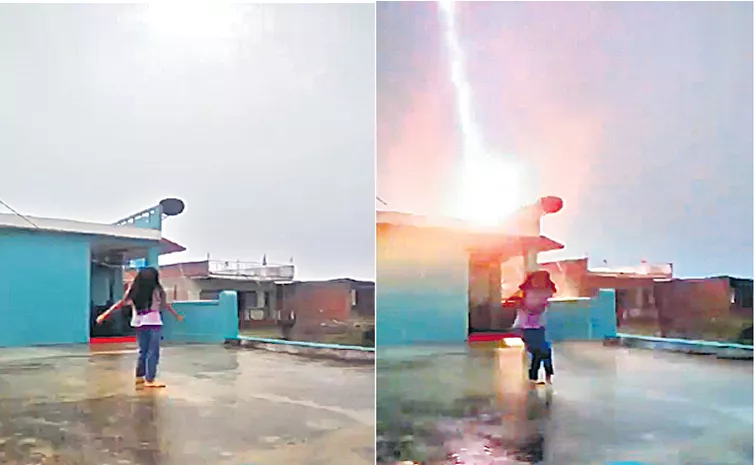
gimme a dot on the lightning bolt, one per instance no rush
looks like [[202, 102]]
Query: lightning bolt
[[489, 188], [471, 139]]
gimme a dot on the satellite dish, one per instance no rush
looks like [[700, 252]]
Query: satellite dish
[[551, 204], [172, 207]]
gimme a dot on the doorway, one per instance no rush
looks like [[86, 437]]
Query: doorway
[[484, 294], [493, 278], [106, 287]]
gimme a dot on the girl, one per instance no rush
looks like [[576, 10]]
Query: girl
[[147, 297], [533, 299]]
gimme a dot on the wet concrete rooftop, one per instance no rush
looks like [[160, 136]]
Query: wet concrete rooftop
[[221, 406], [608, 404]]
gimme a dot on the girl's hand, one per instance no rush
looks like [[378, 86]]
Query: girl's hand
[[179, 318], [116, 306]]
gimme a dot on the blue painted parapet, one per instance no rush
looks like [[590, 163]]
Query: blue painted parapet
[[309, 349], [311, 345], [205, 321], [583, 319], [689, 346], [151, 218]]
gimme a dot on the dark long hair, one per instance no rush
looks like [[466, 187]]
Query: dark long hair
[[143, 288], [540, 279]]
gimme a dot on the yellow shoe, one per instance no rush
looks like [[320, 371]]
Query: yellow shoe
[[139, 380], [153, 384]]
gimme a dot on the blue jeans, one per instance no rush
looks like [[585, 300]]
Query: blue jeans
[[540, 352], [148, 339]]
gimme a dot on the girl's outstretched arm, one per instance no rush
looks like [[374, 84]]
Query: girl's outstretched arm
[[166, 304], [117, 306], [174, 312]]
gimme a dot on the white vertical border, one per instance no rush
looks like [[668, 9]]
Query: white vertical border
[[375, 151], [375, 233], [753, 121]]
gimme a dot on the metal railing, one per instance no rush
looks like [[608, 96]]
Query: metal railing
[[251, 270], [651, 270]]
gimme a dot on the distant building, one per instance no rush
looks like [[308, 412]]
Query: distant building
[[257, 285], [633, 285], [708, 308], [267, 294], [650, 300], [338, 299], [320, 307]]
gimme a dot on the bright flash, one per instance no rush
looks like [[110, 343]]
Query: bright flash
[[513, 342], [489, 190], [489, 185]]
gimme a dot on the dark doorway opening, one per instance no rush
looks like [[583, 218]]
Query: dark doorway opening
[[118, 326]]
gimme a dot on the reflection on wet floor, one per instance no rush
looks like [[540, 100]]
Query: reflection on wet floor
[[221, 406], [448, 406]]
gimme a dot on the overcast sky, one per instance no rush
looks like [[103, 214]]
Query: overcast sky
[[260, 117], [640, 115]]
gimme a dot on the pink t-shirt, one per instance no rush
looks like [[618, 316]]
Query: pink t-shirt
[[151, 318], [529, 319], [531, 313]]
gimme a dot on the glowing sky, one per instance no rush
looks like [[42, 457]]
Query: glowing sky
[[639, 115]]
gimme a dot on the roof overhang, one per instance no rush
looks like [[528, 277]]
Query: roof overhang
[[522, 233], [54, 225], [130, 249], [395, 218], [168, 247], [512, 245], [106, 239]]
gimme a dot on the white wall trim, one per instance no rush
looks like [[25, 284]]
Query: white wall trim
[[13, 221]]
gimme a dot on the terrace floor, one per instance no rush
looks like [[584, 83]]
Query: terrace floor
[[222, 406], [473, 406]]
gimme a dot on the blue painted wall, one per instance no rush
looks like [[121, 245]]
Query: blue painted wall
[[205, 321], [421, 285], [44, 288], [584, 319]]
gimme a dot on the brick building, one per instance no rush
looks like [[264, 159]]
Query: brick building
[[718, 307], [269, 298], [321, 307], [649, 300], [634, 285]]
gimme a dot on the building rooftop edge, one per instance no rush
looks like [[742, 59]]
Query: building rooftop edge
[[13, 221]]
